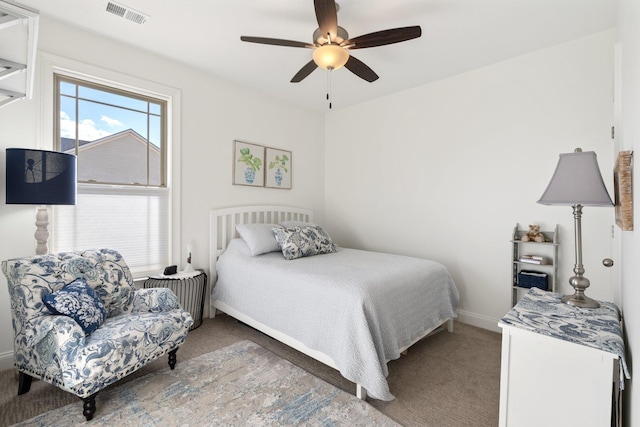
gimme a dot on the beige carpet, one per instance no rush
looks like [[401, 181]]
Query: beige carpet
[[446, 380], [240, 385]]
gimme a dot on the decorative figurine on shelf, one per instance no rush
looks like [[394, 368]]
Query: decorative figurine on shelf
[[188, 268], [533, 235]]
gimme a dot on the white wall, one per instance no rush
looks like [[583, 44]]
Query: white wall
[[214, 113], [443, 171], [446, 170], [629, 131]]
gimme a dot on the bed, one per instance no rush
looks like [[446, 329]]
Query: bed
[[353, 310]]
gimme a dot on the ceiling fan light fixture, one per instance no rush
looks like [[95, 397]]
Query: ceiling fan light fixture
[[330, 56], [331, 44]]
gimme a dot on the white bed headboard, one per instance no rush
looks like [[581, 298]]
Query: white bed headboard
[[222, 225]]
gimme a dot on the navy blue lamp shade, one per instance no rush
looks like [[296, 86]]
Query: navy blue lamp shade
[[40, 177]]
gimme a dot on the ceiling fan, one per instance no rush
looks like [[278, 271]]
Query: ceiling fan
[[331, 43]]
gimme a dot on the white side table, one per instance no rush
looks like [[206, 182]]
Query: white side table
[[561, 365]]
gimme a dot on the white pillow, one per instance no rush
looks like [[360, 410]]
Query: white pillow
[[259, 238]]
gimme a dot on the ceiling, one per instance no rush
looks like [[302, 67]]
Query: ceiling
[[457, 36]]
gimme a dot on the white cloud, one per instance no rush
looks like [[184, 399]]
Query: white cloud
[[111, 122], [87, 129]]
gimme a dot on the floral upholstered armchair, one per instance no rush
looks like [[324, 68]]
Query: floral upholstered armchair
[[81, 325]]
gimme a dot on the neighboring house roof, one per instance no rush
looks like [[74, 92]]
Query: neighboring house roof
[[68, 144], [118, 158]]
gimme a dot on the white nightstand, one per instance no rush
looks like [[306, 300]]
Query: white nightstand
[[561, 365]]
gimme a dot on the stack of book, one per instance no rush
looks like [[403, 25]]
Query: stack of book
[[533, 259]]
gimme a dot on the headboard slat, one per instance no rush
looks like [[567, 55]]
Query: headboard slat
[[222, 225]]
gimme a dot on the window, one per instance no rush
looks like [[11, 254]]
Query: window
[[118, 136], [123, 201]]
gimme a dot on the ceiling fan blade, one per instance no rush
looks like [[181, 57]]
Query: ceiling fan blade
[[384, 37], [360, 69], [327, 17], [304, 72], [275, 42]]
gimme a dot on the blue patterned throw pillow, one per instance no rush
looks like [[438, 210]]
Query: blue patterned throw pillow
[[80, 302], [301, 241]]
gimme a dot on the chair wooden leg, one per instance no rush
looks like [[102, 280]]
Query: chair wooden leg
[[24, 383], [89, 406], [172, 358]]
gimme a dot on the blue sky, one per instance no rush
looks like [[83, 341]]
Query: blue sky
[[102, 114]]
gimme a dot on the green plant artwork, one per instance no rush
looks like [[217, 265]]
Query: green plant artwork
[[249, 163], [280, 162], [249, 159]]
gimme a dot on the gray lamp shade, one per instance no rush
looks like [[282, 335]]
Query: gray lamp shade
[[40, 177], [576, 181]]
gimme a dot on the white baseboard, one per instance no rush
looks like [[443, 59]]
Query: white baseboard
[[6, 360], [479, 320]]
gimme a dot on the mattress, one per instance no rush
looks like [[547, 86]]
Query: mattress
[[360, 308]]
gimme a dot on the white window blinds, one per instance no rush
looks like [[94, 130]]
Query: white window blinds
[[125, 219]]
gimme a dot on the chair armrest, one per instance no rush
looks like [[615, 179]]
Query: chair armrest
[[50, 343], [155, 300], [64, 329]]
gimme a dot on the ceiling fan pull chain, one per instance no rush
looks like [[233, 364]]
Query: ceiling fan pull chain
[[329, 70], [329, 87]]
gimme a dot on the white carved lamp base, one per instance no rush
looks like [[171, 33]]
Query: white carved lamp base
[[42, 232]]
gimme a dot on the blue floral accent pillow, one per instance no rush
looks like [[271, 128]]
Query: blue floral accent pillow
[[80, 302], [301, 241]]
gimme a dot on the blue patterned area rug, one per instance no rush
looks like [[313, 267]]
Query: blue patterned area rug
[[240, 385]]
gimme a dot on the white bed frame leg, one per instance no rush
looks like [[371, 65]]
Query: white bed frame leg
[[361, 392]]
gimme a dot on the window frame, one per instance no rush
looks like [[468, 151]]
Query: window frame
[[49, 64], [58, 77]]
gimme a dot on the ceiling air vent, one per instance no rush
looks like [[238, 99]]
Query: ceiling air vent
[[126, 12]]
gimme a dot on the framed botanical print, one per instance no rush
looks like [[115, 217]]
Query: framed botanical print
[[248, 162], [278, 168]]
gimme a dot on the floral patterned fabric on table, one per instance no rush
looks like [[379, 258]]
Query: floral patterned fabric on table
[[140, 325], [544, 313]]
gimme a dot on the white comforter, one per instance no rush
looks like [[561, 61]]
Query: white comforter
[[359, 308]]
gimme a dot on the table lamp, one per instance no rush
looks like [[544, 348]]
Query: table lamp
[[577, 182], [38, 177]]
